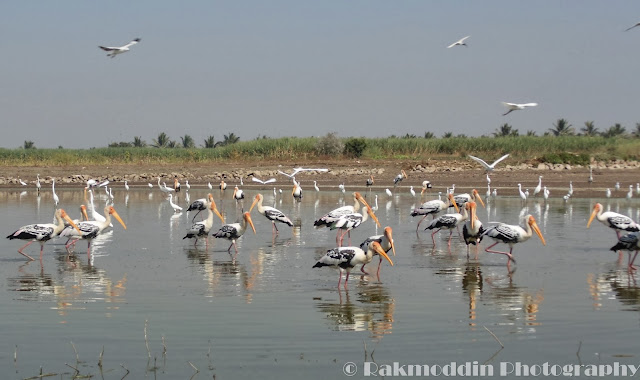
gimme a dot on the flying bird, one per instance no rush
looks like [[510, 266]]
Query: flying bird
[[113, 51], [270, 180], [459, 42], [515, 106], [300, 169], [488, 167], [628, 29]]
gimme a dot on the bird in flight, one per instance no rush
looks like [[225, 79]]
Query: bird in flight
[[515, 107], [113, 51], [487, 166], [637, 24], [459, 42]]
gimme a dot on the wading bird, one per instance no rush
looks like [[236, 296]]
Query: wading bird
[[175, 207], [273, 214], [512, 235], [350, 221], [328, 219], [370, 181], [41, 232], [399, 178], [538, 188], [629, 243], [425, 185], [234, 231], [89, 230], [432, 208], [472, 230], [202, 228], [113, 51], [449, 222], [386, 243], [515, 107], [613, 220], [461, 199], [347, 258], [238, 195], [200, 205], [487, 167], [460, 42]]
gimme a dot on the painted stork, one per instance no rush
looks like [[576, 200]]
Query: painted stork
[[297, 190], [386, 242], [200, 205], [512, 235], [273, 214], [202, 228], [399, 178], [234, 231], [472, 230], [327, 219], [238, 195], [370, 181], [461, 199], [350, 221], [433, 207], [488, 167], [629, 243], [425, 185], [613, 220], [176, 185], [449, 222], [347, 258], [89, 230], [41, 232], [115, 50], [223, 185]]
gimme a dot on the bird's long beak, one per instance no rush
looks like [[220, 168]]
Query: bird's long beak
[[404, 174], [472, 209], [83, 210], [214, 208], [373, 216], [234, 192], [453, 202], [534, 225], [389, 234], [477, 196], [113, 212], [381, 252], [593, 214], [66, 217], [255, 202], [247, 217]]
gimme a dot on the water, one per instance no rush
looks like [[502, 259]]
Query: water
[[270, 314]]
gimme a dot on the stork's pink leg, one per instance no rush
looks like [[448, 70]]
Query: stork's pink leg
[[631, 266], [41, 250], [379, 266], [24, 254], [346, 279], [508, 254], [362, 269], [432, 238], [418, 226]]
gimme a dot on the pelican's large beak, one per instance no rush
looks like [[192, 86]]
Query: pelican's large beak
[[453, 202], [596, 208], [83, 210], [214, 208], [113, 212], [255, 202], [66, 217], [247, 217], [388, 233], [534, 225], [376, 247], [477, 196]]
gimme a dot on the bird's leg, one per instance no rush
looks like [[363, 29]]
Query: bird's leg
[[88, 249], [432, 238], [506, 113], [339, 279], [236, 247], [420, 221], [459, 234], [24, 254], [276, 227], [631, 266], [508, 254], [349, 234], [379, 266], [346, 279], [449, 242], [41, 250]]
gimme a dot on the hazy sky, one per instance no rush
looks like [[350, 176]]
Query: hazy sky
[[306, 68]]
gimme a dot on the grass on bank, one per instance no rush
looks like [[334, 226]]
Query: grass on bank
[[551, 149]]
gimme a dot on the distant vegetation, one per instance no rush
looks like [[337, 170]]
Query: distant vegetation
[[560, 144]]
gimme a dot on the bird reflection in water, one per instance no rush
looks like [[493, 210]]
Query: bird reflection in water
[[472, 287], [619, 284], [372, 311], [516, 303]]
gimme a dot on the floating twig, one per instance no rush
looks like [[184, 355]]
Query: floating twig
[[126, 369], [146, 339], [100, 359], [194, 367], [578, 352], [494, 336], [164, 347], [76, 351], [70, 366]]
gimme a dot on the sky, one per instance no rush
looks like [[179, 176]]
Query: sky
[[307, 68]]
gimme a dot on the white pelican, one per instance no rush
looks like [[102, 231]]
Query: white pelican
[[425, 185], [176, 185], [515, 107], [399, 178], [273, 214], [327, 219], [234, 231], [386, 243], [126, 186], [200, 204], [447, 221], [23, 183], [113, 51], [460, 42], [523, 196], [89, 230], [38, 185], [413, 192], [56, 200], [608, 192], [41, 232], [350, 221], [539, 187], [202, 228], [223, 185], [299, 169], [370, 181], [389, 193], [347, 258], [270, 180], [628, 242], [433, 207], [613, 220], [633, 26], [487, 167], [461, 199], [511, 235], [315, 186], [472, 230], [175, 207]]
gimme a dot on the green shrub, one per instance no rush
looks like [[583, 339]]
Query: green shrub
[[355, 147]]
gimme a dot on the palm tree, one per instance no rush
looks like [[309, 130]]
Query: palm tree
[[589, 129], [615, 130], [505, 130], [138, 142], [447, 135], [531, 133], [209, 142], [172, 144], [187, 142], [162, 141], [429, 135], [636, 132], [229, 139], [562, 128], [28, 144]]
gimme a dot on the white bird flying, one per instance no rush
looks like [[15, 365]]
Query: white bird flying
[[515, 107], [488, 167], [113, 51], [270, 180], [299, 169], [460, 42]]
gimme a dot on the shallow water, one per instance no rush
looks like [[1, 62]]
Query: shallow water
[[270, 314]]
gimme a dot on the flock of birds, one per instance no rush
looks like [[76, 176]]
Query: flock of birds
[[343, 219]]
